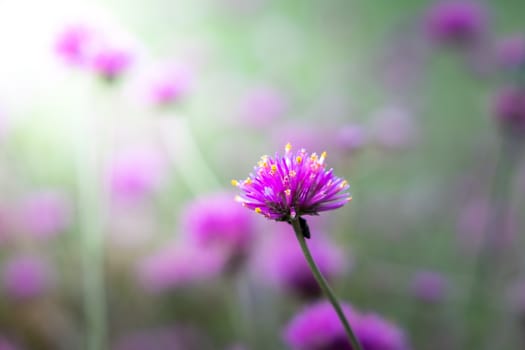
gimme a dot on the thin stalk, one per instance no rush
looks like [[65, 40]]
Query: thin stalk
[[89, 192], [324, 285]]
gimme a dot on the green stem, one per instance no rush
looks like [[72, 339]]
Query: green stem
[[324, 285]]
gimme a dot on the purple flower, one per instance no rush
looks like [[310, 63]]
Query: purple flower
[[44, 214], [375, 333], [429, 287], [284, 187], [26, 277], [170, 86], [509, 108], [456, 22], [216, 222], [135, 173], [284, 264], [74, 44], [317, 327], [179, 266], [111, 62], [511, 51]]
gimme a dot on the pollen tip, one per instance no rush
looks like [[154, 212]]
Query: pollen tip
[[288, 147], [258, 210], [235, 183]]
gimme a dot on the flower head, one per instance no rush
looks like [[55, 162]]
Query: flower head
[[285, 187], [111, 62], [457, 22], [318, 328], [509, 109], [26, 277], [510, 51]]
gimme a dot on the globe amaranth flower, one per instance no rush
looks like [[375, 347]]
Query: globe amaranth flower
[[285, 187], [456, 22], [317, 327], [509, 109], [26, 277]]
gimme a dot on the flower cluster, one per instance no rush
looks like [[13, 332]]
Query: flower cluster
[[285, 187]]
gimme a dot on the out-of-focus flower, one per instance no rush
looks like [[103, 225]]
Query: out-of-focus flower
[[511, 51], [216, 222], [375, 333], [263, 106], [44, 214], [179, 266], [284, 264], [164, 338], [393, 128], [317, 327], [351, 137], [26, 277], [74, 44], [111, 62], [284, 187], [170, 86], [136, 173], [428, 286], [509, 109], [456, 22]]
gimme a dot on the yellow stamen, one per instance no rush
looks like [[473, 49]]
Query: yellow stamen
[[343, 184], [248, 181], [299, 159], [235, 183], [274, 169], [258, 210], [323, 157], [288, 147], [288, 192]]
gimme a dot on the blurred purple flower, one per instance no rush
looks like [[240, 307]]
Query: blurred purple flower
[[26, 277], [74, 44], [456, 22], [111, 62], [509, 108], [136, 173], [317, 327], [351, 137], [428, 286], [263, 106], [511, 51], [375, 333], [393, 128], [284, 187], [44, 214], [170, 86], [284, 263], [216, 222], [179, 266]]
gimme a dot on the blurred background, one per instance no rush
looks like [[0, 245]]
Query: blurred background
[[123, 122]]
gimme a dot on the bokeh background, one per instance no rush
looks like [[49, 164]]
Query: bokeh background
[[123, 122]]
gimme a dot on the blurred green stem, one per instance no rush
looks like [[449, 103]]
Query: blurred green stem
[[487, 257], [91, 231], [323, 284]]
